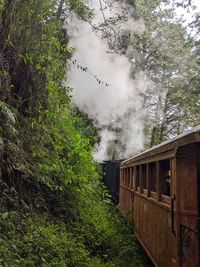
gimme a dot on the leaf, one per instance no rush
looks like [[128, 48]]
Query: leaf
[[4, 215]]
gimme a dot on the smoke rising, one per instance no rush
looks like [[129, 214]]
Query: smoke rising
[[111, 98]]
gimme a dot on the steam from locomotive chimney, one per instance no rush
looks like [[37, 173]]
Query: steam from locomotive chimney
[[104, 90]]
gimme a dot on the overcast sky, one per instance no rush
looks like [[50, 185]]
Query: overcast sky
[[188, 14]]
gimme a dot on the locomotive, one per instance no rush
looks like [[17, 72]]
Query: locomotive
[[158, 191]]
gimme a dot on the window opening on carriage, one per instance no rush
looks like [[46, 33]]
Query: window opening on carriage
[[122, 177], [132, 178], [129, 177], [152, 177], [126, 177], [137, 178], [130, 173], [144, 176], [165, 177]]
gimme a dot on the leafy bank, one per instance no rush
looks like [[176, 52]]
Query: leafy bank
[[54, 210]]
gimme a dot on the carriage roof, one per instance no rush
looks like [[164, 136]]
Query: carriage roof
[[169, 147]]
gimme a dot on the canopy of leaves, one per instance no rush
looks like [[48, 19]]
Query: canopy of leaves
[[169, 57]]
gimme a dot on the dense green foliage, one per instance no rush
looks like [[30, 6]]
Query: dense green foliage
[[39, 240], [54, 210]]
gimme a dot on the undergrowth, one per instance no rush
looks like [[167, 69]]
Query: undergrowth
[[98, 238]]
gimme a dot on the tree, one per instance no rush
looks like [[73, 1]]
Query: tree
[[165, 53]]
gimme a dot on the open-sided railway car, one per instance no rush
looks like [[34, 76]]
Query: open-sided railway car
[[160, 194]]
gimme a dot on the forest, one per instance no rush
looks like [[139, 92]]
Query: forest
[[82, 82]]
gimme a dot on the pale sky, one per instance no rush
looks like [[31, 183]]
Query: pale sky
[[188, 14]]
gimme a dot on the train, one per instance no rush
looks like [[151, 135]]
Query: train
[[110, 174], [158, 191]]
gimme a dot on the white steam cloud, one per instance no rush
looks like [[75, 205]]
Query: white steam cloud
[[116, 109]]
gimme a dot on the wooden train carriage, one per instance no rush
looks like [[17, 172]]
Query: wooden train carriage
[[160, 194]]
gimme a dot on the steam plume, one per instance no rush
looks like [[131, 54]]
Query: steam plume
[[111, 98]]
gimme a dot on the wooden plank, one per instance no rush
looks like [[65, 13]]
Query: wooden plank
[[153, 229]]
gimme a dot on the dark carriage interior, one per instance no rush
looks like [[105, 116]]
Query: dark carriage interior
[[111, 178]]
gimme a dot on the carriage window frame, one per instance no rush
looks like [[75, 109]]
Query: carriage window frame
[[152, 179], [132, 177], [144, 182], [127, 177], [123, 177], [137, 178]]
